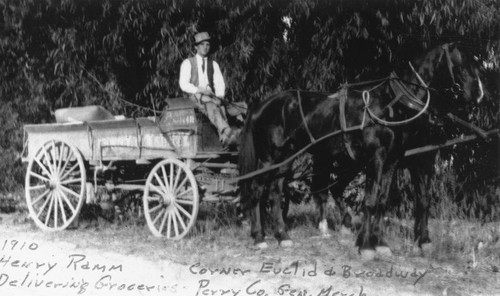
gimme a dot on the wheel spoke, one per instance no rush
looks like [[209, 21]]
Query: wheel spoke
[[48, 161], [56, 201], [182, 184], [175, 225], [186, 202], [65, 219], [155, 189], [155, 208], [183, 210], [190, 189], [70, 181], [177, 176], [160, 182], [40, 197], [39, 177], [165, 214], [42, 166], [171, 179], [44, 204], [49, 211], [165, 179], [67, 161], [68, 202], [38, 187], [59, 165], [54, 158], [69, 191], [66, 174], [169, 226], [160, 214], [179, 217], [153, 198]]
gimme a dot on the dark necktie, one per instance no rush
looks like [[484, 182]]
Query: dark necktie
[[203, 66]]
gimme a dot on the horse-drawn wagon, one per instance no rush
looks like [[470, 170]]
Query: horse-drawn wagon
[[175, 159]]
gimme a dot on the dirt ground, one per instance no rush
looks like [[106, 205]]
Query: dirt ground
[[130, 261]]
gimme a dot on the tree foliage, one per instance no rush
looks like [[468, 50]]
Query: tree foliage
[[126, 53]]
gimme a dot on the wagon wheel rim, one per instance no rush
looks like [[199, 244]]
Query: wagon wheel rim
[[171, 199], [55, 185]]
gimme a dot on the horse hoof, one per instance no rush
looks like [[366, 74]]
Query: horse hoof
[[286, 243], [426, 249], [261, 246], [323, 228], [367, 255], [384, 251], [344, 231]]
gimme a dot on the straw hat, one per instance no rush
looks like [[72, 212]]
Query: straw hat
[[200, 37]]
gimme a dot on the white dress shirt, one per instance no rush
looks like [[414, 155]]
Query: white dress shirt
[[185, 77]]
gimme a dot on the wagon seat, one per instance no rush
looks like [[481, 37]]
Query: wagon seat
[[181, 114]]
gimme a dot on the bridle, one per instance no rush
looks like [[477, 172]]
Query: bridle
[[456, 88]]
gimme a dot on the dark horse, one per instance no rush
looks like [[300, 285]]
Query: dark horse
[[366, 126]]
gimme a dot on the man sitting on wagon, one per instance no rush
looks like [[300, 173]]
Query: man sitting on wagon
[[202, 82]]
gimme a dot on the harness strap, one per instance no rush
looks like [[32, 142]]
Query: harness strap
[[343, 98], [313, 140], [448, 62], [343, 123]]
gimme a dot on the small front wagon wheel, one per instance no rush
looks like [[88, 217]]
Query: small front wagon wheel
[[171, 199], [55, 185]]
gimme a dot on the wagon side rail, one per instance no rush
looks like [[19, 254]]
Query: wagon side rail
[[137, 139]]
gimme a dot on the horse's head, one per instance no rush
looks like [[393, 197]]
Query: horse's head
[[453, 76]]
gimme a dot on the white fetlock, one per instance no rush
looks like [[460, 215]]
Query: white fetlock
[[345, 231], [261, 246], [323, 228], [367, 255], [427, 249], [383, 251]]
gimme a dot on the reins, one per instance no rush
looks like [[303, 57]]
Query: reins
[[288, 160]]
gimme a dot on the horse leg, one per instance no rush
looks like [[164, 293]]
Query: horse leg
[[275, 196], [371, 237], [285, 206], [345, 175], [420, 176], [379, 173], [257, 215], [388, 176], [319, 187]]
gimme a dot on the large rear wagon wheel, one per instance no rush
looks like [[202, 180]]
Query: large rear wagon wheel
[[55, 185], [171, 199]]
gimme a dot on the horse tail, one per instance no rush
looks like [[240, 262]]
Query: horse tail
[[247, 159]]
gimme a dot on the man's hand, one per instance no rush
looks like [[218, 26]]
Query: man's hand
[[206, 91], [207, 95], [207, 99]]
